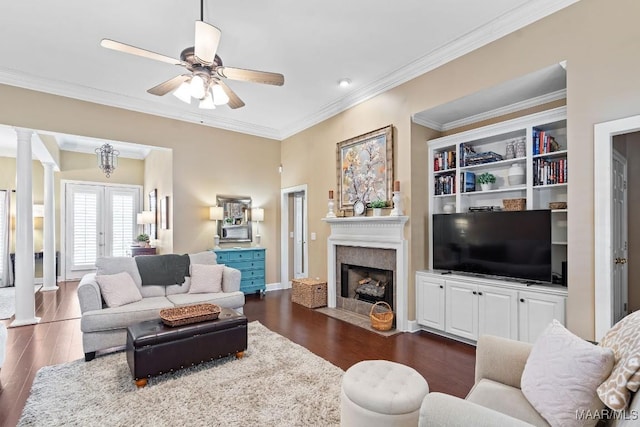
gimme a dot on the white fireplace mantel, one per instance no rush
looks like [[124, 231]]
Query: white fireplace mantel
[[372, 232]]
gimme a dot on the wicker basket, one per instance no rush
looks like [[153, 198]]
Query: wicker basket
[[179, 316], [514, 204], [558, 205], [309, 292], [381, 321]]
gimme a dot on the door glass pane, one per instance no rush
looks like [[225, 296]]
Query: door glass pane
[[85, 228], [122, 224], [3, 231]]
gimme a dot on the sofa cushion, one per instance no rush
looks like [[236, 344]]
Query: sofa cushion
[[206, 278], [222, 299], [562, 374], [206, 257], [118, 264], [624, 340], [123, 316], [182, 288], [505, 399], [118, 289]]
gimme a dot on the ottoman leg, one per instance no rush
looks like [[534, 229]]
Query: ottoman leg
[[141, 382], [240, 354]]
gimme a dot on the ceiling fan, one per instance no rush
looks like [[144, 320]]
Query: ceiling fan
[[204, 80]]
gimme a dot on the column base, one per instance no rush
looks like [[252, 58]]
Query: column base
[[49, 288], [24, 322]]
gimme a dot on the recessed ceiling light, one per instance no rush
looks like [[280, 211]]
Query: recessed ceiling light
[[344, 82]]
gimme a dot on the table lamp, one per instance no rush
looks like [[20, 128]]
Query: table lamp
[[257, 215], [216, 214]]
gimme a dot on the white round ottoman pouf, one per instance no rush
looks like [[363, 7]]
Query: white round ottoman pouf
[[381, 393]]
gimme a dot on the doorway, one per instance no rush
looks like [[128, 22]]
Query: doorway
[[294, 247], [99, 220], [611, 250]]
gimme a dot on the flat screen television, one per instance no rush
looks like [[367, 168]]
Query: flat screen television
[[514, 244]]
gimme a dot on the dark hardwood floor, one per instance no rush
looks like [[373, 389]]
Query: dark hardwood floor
[[447, 365]]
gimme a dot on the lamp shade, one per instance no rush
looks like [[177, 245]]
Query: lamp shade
[[257, 214], [145, 217], [216, 213]]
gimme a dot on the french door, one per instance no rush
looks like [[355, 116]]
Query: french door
[[100, 220]]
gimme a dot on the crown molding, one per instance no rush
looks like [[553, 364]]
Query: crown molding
[[90, 94], [498, 112], [494, 30], [499, 27]]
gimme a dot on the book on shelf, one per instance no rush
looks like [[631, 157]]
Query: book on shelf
[[465, 151], [444, 161], [546, 172], [467, 182], [445, 184], [544, 143]]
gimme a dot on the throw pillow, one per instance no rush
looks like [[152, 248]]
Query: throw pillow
[[561, 376], [624, 340], [206, 278], [118, 289]]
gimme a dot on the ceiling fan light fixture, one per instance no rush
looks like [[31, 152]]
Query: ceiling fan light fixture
[[183, 93], [207, 103], [197, 87], [344, 82], [219, 95]]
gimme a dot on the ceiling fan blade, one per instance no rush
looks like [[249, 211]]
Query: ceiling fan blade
[[251, 75], [207, 40], [234, 100], [126, 48], [166, 87]]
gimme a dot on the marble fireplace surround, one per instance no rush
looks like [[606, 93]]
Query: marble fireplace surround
[[385, 232]]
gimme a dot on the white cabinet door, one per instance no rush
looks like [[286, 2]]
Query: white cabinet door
[[498, 312], [430, 302], [461, 312], [536, 311]]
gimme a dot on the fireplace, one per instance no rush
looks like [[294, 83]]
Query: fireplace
[[366, 283], [377, 246]]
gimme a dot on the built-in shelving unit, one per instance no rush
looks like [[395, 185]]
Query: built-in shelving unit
[[544, 161]]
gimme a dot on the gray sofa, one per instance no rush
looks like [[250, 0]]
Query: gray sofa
[[496, 398], [106, 327]]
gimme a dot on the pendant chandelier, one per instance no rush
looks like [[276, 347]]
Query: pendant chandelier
[[107, 159]]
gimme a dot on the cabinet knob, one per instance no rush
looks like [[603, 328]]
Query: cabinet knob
[[479, 293], [521, 299], [475, 293], [441, 287]]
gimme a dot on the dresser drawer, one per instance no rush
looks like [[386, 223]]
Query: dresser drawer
[[252, 274], [223, 257], [240, 255], [245, 265], [258, 255]]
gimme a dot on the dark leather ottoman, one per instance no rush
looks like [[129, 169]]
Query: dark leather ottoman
[[154, 348]]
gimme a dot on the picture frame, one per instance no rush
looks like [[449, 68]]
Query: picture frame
[[164, 213], [364, 168], [153, 207]]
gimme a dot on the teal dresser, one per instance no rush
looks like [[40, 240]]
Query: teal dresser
[[250, 262]]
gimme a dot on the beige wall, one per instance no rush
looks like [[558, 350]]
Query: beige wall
[[158, 175], [598, 39]]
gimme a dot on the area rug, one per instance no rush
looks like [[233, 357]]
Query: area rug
[[276, 383], [8, 301]]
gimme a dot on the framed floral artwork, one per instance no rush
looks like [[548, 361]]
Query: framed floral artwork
[[364, 167]]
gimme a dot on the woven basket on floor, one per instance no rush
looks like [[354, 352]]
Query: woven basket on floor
[[179, 316], [381, 321]]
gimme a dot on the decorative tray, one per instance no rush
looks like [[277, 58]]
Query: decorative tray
[[179, 316]]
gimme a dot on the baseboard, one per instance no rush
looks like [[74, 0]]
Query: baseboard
[[413, 326], [274, 287]]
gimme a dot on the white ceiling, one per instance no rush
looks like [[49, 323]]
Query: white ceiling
[[54, 47]]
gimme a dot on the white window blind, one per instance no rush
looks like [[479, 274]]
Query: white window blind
[[85, 228], [3, 230], [123, 210]]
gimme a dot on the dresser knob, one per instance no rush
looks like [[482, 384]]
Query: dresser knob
[[521, 299]]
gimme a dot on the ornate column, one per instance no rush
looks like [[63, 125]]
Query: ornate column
[[49, 241], [24, 264]]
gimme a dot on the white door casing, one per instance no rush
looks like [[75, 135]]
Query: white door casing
[[300, 244], [285, 246], [99, 220], [603, 146]]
